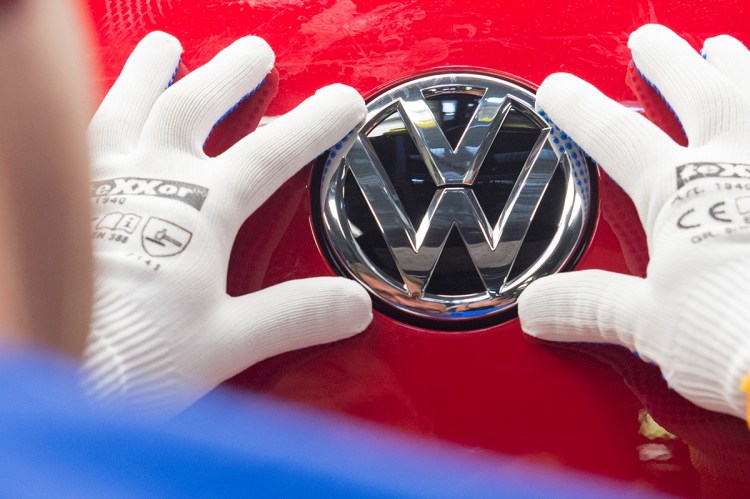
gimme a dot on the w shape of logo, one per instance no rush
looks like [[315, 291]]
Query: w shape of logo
[[473, 135], [493, 248]]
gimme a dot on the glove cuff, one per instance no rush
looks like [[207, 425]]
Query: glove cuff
[[126, 364]]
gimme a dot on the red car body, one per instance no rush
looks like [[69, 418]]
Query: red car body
[[586, 408]]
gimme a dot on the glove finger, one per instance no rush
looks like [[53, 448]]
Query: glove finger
[[289, 316], [623, 142], [266, 158], [705, 101], [118, 122], [183, 116], [587, 306], [731, 58]]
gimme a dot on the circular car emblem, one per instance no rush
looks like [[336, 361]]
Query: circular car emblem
[[455, 195]]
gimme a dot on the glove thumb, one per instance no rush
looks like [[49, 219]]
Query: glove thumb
[[288, 316], [587, 306]]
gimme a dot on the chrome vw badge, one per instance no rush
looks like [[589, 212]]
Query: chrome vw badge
[[455, 195]]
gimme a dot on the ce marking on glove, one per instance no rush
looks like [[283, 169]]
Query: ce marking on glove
[[717, 212], [731, 212]]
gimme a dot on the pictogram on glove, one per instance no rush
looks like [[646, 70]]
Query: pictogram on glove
[[164, 332], [691, 314]]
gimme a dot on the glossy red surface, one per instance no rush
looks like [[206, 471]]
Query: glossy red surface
[[579, 407]]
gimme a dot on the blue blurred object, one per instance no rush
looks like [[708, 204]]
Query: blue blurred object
[[53, 445]]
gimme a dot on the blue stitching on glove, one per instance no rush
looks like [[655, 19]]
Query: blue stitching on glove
[[174, 74], [337, 147], [236, 105], [565, 144]]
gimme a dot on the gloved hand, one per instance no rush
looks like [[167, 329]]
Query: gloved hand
[[691, 314], [164, 332]]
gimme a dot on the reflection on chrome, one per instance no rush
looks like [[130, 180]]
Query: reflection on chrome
[[415, 160]]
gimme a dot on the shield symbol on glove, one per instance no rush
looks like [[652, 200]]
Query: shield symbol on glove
[[162, 238]]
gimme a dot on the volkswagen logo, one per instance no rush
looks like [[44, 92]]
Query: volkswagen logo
[[455, 195]]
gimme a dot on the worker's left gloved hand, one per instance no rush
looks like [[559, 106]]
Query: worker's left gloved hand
[[691, 314], [164, 331]]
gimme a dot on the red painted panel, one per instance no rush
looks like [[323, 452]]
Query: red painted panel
[[579, 407]]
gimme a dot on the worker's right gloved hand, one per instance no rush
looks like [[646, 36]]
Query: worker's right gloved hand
[[691, 314], [164, 332]]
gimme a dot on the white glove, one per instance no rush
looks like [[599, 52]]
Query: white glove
[[691, 315], [164, 332]]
